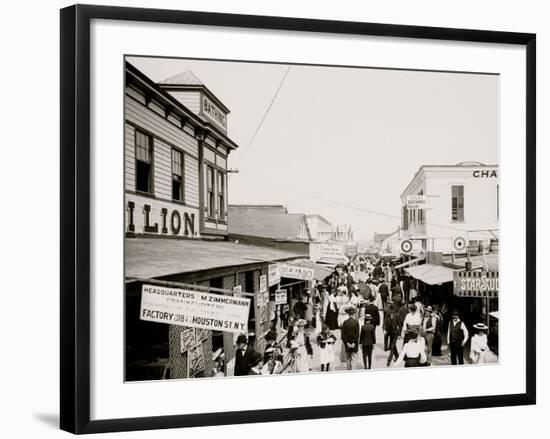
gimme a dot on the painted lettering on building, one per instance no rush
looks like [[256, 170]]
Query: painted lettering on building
[[161, 221], [485, 173], [210, 110]]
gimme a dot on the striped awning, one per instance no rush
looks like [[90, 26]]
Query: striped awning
[[431, 274]]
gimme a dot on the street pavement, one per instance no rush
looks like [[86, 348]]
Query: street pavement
[[379, 356]]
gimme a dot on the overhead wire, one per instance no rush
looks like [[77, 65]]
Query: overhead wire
[[264, 117], [345, 205]]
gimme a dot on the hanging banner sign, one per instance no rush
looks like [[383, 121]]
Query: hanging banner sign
[[281, 297], [415, 202], [331, 252], [263, 283], [274, 274], [482, 284], [196, 309], [296, 272]]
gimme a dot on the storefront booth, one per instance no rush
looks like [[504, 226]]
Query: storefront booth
[[156, 350]]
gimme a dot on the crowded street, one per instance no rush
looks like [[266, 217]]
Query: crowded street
[[366, 295]]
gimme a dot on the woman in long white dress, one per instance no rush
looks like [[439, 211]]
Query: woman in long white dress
[[342, 301], [304, 351], [478, 344]]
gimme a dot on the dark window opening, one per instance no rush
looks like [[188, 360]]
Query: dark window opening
[[210, 182], [457, 207], [144, 161], [177, 175]]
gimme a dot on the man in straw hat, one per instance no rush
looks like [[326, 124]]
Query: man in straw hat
[[350, 337]]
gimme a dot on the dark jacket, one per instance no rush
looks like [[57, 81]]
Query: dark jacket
[[300, 309], [396, 293], [392, 323], [368, 335], [350, 333], [384, 290], [242, 361], [372, 309]]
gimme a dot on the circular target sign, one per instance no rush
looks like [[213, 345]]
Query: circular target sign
[[406, 246], [459, 243]]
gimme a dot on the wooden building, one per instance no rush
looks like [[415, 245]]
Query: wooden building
[[176, 224], [175, 159]]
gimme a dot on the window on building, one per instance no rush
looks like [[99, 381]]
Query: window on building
[[144, 162], [457, 207], [405, 218], [498, 201], [177, 175], [211, 201], [221, 194], [421, 211]]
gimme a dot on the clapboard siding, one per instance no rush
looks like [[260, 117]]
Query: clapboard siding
[[210, 142], [191, 99], [209, 155], [153, 122], [191, 181], [136, 94], [220, 161], [130, 158], [163, 173]]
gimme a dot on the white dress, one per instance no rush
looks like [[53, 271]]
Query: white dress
[[342, 302], [478, 348], [303, 360], [327, 353]]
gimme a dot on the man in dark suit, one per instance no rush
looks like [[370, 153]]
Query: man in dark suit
[[242, 356], [350, 337], [372, 309], [384, 293], [367, 339]]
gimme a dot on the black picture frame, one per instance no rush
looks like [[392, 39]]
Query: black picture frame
[[75, 217]]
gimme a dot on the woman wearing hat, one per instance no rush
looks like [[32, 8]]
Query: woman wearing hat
[[478, 344], [413, 353], [256, 363], [271, 364], [342, 302], [304, 351], [331, 314]]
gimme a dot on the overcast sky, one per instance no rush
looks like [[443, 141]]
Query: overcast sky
[[337, 137]]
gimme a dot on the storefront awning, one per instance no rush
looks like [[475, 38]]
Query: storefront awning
[[155, 257], [431, 274], [320, 271], [412, 261]]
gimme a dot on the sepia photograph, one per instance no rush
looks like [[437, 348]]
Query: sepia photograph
[[297, 218]]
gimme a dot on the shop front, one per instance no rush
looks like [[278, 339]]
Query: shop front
[[157, 349]]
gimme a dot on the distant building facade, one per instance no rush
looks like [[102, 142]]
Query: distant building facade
[[462, 202]]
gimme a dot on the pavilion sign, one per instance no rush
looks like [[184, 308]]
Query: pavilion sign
[[483, 284], [196, 309]]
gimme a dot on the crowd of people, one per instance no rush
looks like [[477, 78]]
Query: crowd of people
[[344, 313]]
